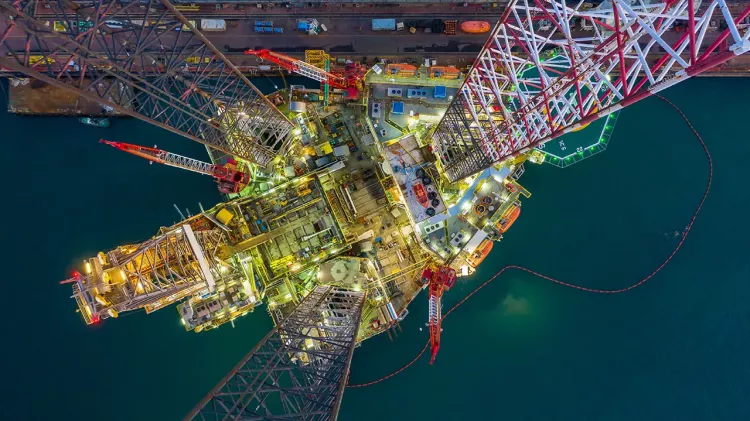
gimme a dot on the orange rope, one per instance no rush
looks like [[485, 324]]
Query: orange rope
[[578, 287]]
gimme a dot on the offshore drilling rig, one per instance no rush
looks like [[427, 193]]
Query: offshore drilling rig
[[334, 219]]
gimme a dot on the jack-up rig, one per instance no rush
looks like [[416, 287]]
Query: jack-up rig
[[299, 245]]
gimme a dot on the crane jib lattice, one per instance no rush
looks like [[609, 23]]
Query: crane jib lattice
[[145, 60]]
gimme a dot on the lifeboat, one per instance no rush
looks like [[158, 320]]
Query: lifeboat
[[480, 253], [475, 27], [508, 218], [421, 195]]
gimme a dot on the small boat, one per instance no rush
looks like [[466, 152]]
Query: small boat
[[421, 194], [475, 27], [96, 122], [508, 219], [480, 253]]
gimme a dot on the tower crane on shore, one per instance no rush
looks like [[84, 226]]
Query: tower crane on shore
[[351, 81], [229, 178], [440, 279]]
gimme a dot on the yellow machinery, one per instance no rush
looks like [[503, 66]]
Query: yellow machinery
[[317, 58]]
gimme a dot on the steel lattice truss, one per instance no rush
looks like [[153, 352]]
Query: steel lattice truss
[[537, 77], [143, 59], [299, 370], [153, 274]]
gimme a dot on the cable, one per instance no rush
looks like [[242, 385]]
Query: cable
[[578, 287]]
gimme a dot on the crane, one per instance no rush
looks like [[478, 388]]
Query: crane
[[351, 81], [440, 280], [228, 176]]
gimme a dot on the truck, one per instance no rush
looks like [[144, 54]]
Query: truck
[[184, 27], [384, 24], [213, 25]]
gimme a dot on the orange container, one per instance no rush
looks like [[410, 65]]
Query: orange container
[[475, 27]]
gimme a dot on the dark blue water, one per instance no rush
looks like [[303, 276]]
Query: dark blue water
[[523, 349]]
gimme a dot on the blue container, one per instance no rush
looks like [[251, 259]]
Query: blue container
[[278, 30], [384, 24], [258, 29]]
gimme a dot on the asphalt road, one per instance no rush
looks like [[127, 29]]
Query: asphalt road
[[350, 37]]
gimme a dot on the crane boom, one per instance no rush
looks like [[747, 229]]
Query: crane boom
[[229, 178], [301, 68], [440, 280]]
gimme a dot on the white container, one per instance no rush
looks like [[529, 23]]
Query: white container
[[213, 25]]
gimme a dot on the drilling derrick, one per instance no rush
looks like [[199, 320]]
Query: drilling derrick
[[151, 275], [539, 77], [299, 370], [229, 178], [145, 60]]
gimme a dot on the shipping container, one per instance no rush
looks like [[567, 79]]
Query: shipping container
[[384, 24], [475, 27], [213, 25]]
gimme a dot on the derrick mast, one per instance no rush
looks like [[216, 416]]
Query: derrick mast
[[178, 262]]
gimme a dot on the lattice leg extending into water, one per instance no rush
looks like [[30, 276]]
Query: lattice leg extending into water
[[299, 370], [550, 67]]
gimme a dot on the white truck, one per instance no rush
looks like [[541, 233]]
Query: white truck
[[213, 25]]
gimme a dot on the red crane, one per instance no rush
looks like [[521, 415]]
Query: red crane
[[441, 279], [229, 178], [351, 81]]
